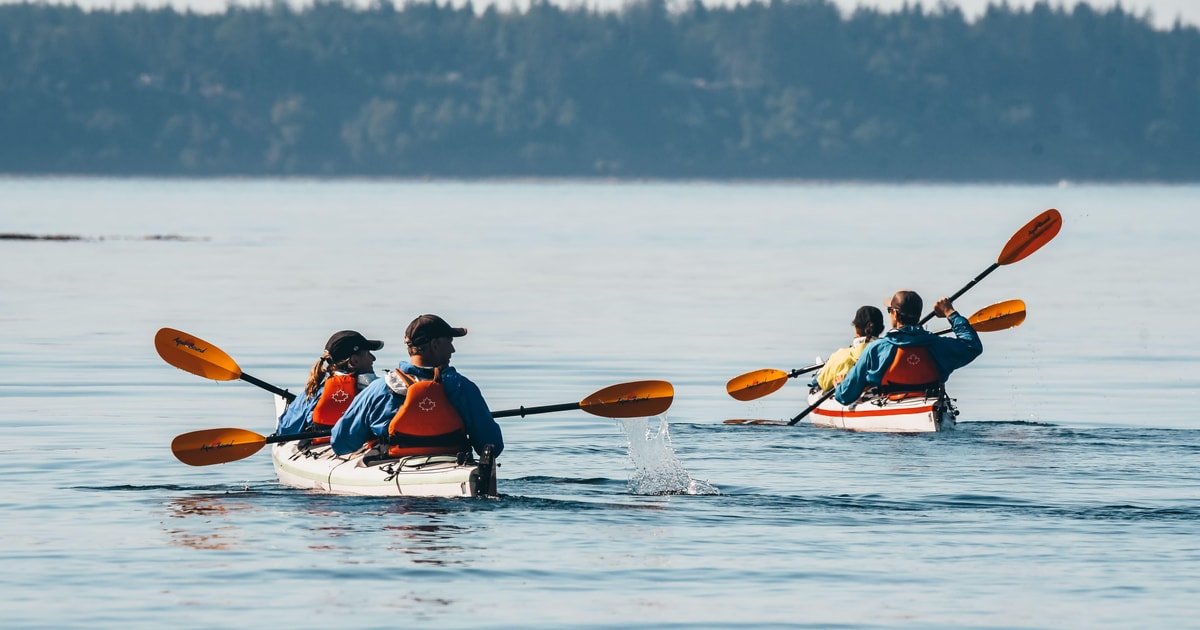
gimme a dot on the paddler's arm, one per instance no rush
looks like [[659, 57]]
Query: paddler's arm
[[296, 415], [853, 385], [859, 378], [957, 352], [371, 407], [468, 401]]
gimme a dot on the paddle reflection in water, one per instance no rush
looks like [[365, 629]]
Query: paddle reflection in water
[[656, 469], [206, 522]]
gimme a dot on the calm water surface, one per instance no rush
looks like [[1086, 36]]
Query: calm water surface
[[1067, 497]]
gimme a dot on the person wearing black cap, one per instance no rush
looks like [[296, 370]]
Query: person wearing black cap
[[868, 325], [908, 357], [342, 371], [420, 424]]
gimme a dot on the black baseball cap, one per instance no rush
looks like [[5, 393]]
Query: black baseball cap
[[347, 343], [426, 328]]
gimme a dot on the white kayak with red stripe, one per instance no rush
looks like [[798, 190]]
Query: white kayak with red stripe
[[912, 412]]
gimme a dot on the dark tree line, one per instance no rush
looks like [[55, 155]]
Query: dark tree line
[[787, 88]]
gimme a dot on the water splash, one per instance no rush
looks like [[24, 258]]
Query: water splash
[[656, 469]]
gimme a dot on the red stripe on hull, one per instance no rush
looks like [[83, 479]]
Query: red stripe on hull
[[872, 412]]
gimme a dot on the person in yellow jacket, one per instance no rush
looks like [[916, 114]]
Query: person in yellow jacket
[[868, 325]]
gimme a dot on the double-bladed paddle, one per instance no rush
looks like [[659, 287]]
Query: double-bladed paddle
[[193, 354], [759, 383], [1027, 240], [625, 400]]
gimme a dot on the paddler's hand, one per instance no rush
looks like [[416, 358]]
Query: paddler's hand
[[943, 308]]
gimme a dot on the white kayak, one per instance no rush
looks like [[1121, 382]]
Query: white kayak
[[299, 464], [365, 473], [921, 412]]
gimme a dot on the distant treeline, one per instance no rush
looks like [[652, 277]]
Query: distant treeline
[[785, 89]]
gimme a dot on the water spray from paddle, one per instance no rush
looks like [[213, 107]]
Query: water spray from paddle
[[656, 469]]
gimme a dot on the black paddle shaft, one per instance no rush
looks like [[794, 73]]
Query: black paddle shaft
[[963, 290], [524, 411], [307, 435], [826, 396], [289, 396]]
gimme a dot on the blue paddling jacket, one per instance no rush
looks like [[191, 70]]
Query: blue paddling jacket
[[948, 354], [372, 411]]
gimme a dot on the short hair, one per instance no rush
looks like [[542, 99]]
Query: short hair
[[907, 306]]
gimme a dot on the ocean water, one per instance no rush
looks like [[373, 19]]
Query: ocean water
[[1068, 496]]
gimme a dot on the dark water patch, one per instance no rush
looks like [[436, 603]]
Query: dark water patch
[[1123, 513], [14, 236], [221, 489], [1026, 423], [568, 480], [994, 505], [572, 505], [9, 236]]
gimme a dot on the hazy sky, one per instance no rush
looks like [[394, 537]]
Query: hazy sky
[[1165, 11]]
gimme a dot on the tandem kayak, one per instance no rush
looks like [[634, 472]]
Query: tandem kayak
[[308, 466], [367, 473], [910, 412]]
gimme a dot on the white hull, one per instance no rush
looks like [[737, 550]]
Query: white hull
[[362, 473], [914, 413]]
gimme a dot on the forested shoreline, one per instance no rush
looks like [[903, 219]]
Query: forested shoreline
[[783, 89]]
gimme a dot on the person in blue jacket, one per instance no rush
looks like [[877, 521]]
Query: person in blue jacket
[[877, 365], [430, 342], [348, 363]]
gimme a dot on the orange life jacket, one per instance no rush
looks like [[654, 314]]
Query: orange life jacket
[[426, 424], [911, 368], [339, 390]]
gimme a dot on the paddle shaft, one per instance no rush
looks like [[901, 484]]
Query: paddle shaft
[[1030, 238], [800, 416], [798, 371], [307, 435], [289, 396], [527, 411], [963, 290]]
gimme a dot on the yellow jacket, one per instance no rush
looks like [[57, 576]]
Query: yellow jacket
[[840, 362]]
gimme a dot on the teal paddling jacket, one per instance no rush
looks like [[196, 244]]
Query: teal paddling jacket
[[948, 354], [372, 411]]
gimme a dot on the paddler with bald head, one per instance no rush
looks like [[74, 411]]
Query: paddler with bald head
[[909, 358]]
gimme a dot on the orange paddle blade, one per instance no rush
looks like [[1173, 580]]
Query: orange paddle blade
[[999, 316], [216, 446], [756, 384], [630, 400], [1032, 237], [193, 354]]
